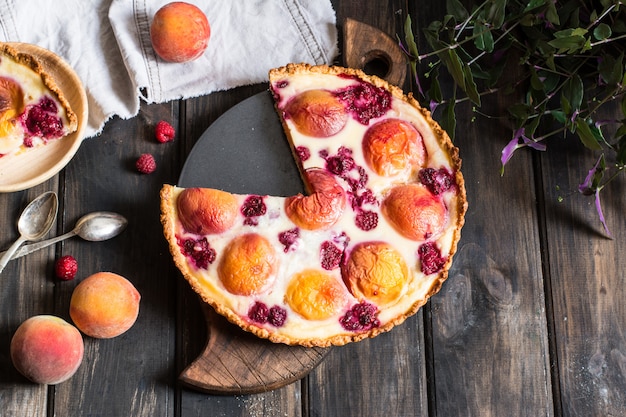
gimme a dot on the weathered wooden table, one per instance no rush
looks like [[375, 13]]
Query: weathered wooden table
[[530, 323]]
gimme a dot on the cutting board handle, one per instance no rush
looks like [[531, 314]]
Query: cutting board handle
[[373, 51]]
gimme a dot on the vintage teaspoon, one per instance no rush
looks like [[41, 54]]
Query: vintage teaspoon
[[94, 227], [34, 222]]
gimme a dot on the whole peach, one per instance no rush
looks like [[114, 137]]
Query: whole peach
[[104, 305], [180, 32], [47, 349]]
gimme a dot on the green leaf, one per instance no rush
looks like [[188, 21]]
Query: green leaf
[[570, 45], [573, 91], [434, 92], [456, 9], [496, 13], [483, 37], [409, 38], [623, 105], [559, 116], [533, 4], [455, 67], [552, 15], [520, 111], [611, 69], [602, 31], [470, 86], [586, 136], [448, 123]]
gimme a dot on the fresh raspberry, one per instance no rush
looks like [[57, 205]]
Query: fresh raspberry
[[303, 153], [366, 220], [330, 255], [146, 164], [253, 206], [259, 312], [438, 181], [66, 267], [164, 132], [288, 238], [362, 316], [199, 250], [430, 257], [277, 316]]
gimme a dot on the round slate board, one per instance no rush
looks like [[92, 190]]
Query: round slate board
[[245, 151]]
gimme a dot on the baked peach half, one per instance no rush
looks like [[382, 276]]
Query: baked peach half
[[375, 271], [248, 265], [315, 294], [393, 146], [206, 211], [415, 212], [11, 104], [323, 207], [317, 113]]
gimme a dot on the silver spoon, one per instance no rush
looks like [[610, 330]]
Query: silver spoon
[[94, 227], [35, 221]]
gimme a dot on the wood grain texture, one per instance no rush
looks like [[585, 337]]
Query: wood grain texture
[[529, 323], [586, 272]]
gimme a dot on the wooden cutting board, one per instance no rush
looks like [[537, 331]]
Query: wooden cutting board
[[245, 151]]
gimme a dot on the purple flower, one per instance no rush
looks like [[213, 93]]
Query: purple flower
[[591, 187], [515, 144]]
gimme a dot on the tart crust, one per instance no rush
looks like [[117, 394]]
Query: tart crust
[[208, 286], [31, 63]]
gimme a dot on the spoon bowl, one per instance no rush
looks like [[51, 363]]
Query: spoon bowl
[[94, 227], [34, 223]]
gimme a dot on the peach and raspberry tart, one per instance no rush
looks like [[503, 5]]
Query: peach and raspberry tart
[[33, 110], [369, 243]]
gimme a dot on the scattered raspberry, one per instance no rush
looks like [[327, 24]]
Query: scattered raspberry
[[360, 317], [146, 164], [289, 237], [430, 257], [277, 316], [436, 180], [330, 256], [66, 267], [199, 250], [366, 220], [164, 132]]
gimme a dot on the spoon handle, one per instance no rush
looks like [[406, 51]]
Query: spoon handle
[[6, 257], [33, 247]]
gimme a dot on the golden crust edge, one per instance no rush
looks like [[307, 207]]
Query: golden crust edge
[[443, 139], [48, 80], [167, 217]]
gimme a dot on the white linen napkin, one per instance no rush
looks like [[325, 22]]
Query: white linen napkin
[[107, 43]]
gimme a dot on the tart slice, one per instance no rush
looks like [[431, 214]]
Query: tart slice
[[368, 244], [33, 110]]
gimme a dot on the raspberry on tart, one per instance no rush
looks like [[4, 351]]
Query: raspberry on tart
[[367, 246], [33, 110]]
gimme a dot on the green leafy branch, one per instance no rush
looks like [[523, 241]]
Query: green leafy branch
[[569, 70]]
